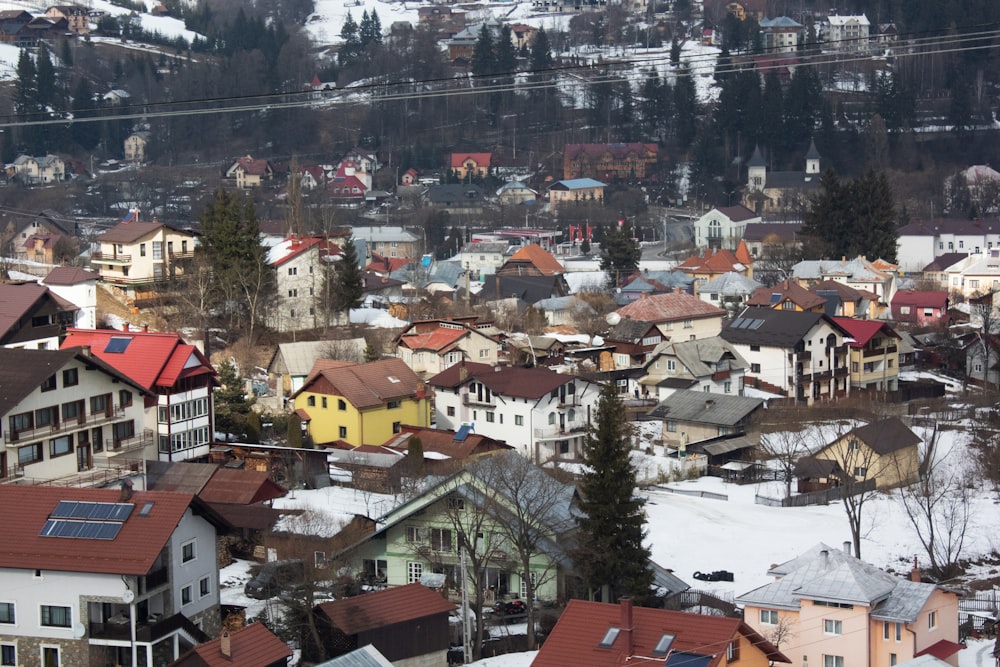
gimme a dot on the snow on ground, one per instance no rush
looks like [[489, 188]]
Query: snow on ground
[[232, 579], [375, 317], [325, 511], [324, 24], [585, 281]]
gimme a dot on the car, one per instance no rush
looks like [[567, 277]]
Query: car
[[274, 577], [510, 607]]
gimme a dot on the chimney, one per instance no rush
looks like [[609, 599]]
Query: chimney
[[85, 350], [463, 372], [145, 327], [625, 604], [847, 547], [825, 556], [225, 644], [709, 403], [126, 491], [916, 576]]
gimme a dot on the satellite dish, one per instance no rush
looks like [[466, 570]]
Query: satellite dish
[[128, 596], [613, 319], [79, 630]]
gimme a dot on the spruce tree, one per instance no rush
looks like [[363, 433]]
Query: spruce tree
[[506, 55], [343, 287], [352, 40], [483, 55], [541, 53], [610, 555], [85, 134], [620, 254], [685, 108], [675, 52]]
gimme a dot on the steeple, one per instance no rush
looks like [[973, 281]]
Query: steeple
[[812, 160], [756, 171]]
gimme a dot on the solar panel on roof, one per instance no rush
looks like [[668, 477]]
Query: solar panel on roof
[[775, 297], [756, 324], [94, 530], [78, 509], [117, 344], [463, 433]]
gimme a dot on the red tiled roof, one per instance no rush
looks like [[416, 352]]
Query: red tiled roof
[[863, 330], [574, 642], [481, 159], [293, 247], [243, 487], [789, 291], [942, 650], [254, 167], [443, 441], [670, 307], [130, 232], [920, 299], [151, 359], [133, 551], [251, 646], [365, 385], [433, 340], [381, 608], [540, 258], [721, 261]]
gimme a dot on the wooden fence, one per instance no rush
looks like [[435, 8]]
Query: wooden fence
[[816, 497]]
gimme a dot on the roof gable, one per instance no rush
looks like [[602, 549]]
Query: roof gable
[[392, 606], [366, 385], [670, 307]]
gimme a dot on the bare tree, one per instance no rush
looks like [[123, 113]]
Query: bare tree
[[989, 320], [785, 448], [938, 509], [782, 632]]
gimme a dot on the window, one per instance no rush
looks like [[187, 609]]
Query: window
[[414, 571], [441, 539], [47, 416], [450, 411], [397, 427], [889, 363], [455, 503], [672, 426], [608, 640], [342, 432], [29, 454], [833, 661], [893, 659], [552, 418], [123, 430], [125, 398], [414, 534], [491, 417], [768, 616], [392, 405], [904, 310], [99, 404], [142, 250], [56, 617], [755, 348], [341, 404], [932, 620], [71, 377], [8, 655], [293, 271], [688, 324], [60, 446], [7, 612], [833, 627], [733, 651], [324, 402], [204, 587], [671, 365], [311, 401], [49, 383], [518, 420], [188, 553], [50, 656], [186, 595], [727, 386], [157, 249], [72, 410], [755, 368], [533, 576]]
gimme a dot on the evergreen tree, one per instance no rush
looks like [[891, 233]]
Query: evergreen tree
[[231, 403], [66, 54], [343, 287], [651, 103], [802, 103], [293, 430], [84, 105], [960, 105], [772, 113], [505, 57], [352, 41], [875, 233], [675, 52], [620, 253], [541, 52], [45, 80], [483, 54], [685, 108], [611, 557], [371, 352]]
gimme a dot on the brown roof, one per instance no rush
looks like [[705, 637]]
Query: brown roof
[[720, 261], [179, 476], [538, 257], [241, 487], [503, 380], [887, 435], [251, 646], [443, 441], [130, 232], [845, 292], [671, 307], [737, 213], [575, 640], [69, 275], [252, 517], [365, 385], [133, 551], [786, 290], [389, 607], [17, 300]]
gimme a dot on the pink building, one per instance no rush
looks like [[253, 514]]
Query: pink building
[[918, 307]]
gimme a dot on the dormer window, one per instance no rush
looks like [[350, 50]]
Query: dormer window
[[608, 640]]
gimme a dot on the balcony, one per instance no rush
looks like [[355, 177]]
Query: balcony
[[116, 446], [557, 433], [878, 352], [111, 258], [17, 438], [472, 399], [150, 630], [817, 376]]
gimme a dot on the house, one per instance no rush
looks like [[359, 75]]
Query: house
[[388, 241], [723, 227], [634, 341], [844, 301], [248, 172], [565, 310], [710, 365], [431, 346], [691, 416], [781, 191], [713, 263], [603, 633], [976, 275], [531, 260], [135, 147], [78, 287], [837, 606], [40, 248], [361, 404], [797, 354], [730, 291], [13, 27], [419, 537], [250, 646], [102, 576], [33, 316], [37, 170], [135, 253], [576, 192], [515, 193], [291, 362], [465, 166], [781, 34], [874, 354], [771, 240], [301, 266], [541, 413], [788, 295], [179, 379], [679, 315], [646, 282], [524, 290], [884, 450], [482, 258], [77, 17], [846, 33], [860, 273], [923, 241], [609, 162], [978, 368], [66, 412], [935, 274], [116, 97], [458, 199], [408, 625]]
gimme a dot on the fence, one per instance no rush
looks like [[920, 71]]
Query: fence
[[692, 599], [696, 494], [977, 614], [816, 497]]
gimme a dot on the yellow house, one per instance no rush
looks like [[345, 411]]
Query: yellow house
[[576, 191], [361, 404], [885, 450], [874, 354]]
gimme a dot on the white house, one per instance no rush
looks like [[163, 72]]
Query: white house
[[298, 264], [847, 33], [541, 413], [921, 241], [38, 170], [799, 354], [483, 258], [723, 226], [78, 287], [64, 412], [710, 365], [105, 577], [431, 346]]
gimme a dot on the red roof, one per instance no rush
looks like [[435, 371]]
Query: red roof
[[150, 359], [482, 160], [575, 640], [133, 551], [242, 487], [251, 646], [294, 246], [540, 258], [254, 167], [920, 299], [788, 290], [436, 340], [381, 608], [862, 331], [670, 307], [941, 650], [721, 261]]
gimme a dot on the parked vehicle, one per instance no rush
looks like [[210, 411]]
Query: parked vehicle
[[510, 607], [274, 577]]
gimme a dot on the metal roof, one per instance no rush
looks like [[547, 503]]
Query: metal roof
[[698, 406]]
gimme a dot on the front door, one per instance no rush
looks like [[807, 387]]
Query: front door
[[82, 457]]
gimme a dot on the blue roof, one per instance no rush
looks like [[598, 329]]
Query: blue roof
[[580, 183]]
